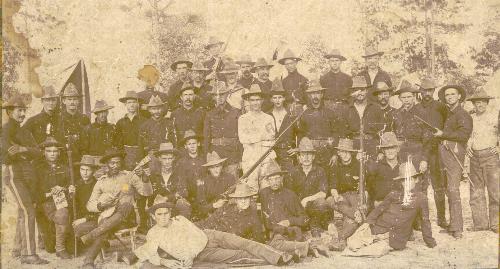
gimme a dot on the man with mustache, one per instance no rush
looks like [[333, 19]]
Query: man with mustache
[[262, 69], [383, 92], [294, 83], [43, 123], [230, 74], [246, 66], [100, 135], [188, 116], [181, 69], [336, 82], [201, 87], [373, 73]]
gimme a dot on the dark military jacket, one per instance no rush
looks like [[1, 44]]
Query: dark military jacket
[[191, 119], [230, 219], [192, 173], [203, 97], [97, 138], [337, 85], [128, 131], [345, 178], [382, 76], [175, 187], [435, 114], [287, 140], [210, 190], [373, 120], [304, 186], [295, 84], [320, 123], [388, 115], [279, 205], [82, 195], [210, 65], [222, 122], [266, 89], [49, 176], [397, 219], [246, 82], [154, 132], [13, 134], [407, 127], [72, 127], [38, 125], [458, 126]]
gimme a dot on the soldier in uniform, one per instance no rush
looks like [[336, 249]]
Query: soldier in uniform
[[100, 135], [181, 69], [221, 130], [256, 133], [336, 82], [246, 66], [53, 190], [454, 136], [262, 68], [366, 114], [209, 194], [127, 129], [230, 74], [188, 116], [373, 73], [150, 75], [383, 92], [42, 124], [294, 83], [201, 87], [435, 114], [18, 174], [214, 49], [320, 124], [310, 183], [112, 198]]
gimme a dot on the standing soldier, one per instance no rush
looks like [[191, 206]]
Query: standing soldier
[[435, 114], [373, 73], [294, 83], [320, 124], [43, 124], [221, 130], [53, 189], [483, 150], [282, 119], [201, 87], [454, 136], [127, 129], [150, 75], [18, 173], [256, 133], [230, 73], [100, 135], [73, 122], [214, 49], [336, 82], [262, 68], [383, 93], [246, 66], [181, 69], [187, 116]]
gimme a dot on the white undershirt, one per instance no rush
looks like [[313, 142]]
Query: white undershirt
[[279, 116]]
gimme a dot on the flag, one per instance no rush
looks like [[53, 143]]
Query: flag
[[79, 78]]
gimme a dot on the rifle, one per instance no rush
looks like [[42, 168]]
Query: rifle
[[425, 122], [361, 187], [72, 178]]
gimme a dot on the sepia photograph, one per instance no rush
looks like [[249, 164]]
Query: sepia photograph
[[217, 134]]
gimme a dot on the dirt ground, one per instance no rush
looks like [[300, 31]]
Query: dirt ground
[[474, 250]]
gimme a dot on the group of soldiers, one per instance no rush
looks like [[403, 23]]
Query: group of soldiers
[[227, 166]]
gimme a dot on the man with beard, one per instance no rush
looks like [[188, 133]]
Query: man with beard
[[373, 73], [230, 73], [435, 114], [262, 68], [220, 129], [246, 66], [201, 87], [43, 124], [18, 174], [100, 135], [187, 116], [294, 83], [336, 82], [454, 136], [214, 49], [113, 199], [181, 69], [383, 92]]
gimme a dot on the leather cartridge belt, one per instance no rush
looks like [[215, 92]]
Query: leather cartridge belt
[[224, 141], [323, 142]]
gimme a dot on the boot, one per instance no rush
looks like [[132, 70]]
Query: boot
[[33, 259], [64, 255], [285, 259], [120, 214], [457, 235]]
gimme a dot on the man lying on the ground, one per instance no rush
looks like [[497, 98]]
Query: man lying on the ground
[[175, 242]]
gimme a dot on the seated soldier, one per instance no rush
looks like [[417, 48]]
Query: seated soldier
[[281, 207], [212, 187], [113, 198], [169, 184], [310, 183], [175, 242], [54, 180], [389, 225]]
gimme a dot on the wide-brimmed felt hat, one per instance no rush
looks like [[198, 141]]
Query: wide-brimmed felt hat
[[230, 68], [198, 66], [277, 88], [246, 59], [131, 95], [306, 145], [112, 153], [213, 159], [71, 91], [460, 89], [160, 202], [314, 86], [190, 134], [261, 63], [407, 169], [154, 101], [288, 55], [49, 93], [186, 86], [166, 148], [271, 169], [427, 84], [406, 86], [388, 140], [173, 66], [213, 41], [50, 142], [15, 101], [480, 94], [335, 53], [101, 105], [359, 82], [346, 144], [381, 86], [242, 190], [372, 51], [219, 88], [87, 160], [254, 90]]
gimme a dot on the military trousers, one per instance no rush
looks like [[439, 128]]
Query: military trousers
[[438, 183], [347, 206], [60, 218]]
